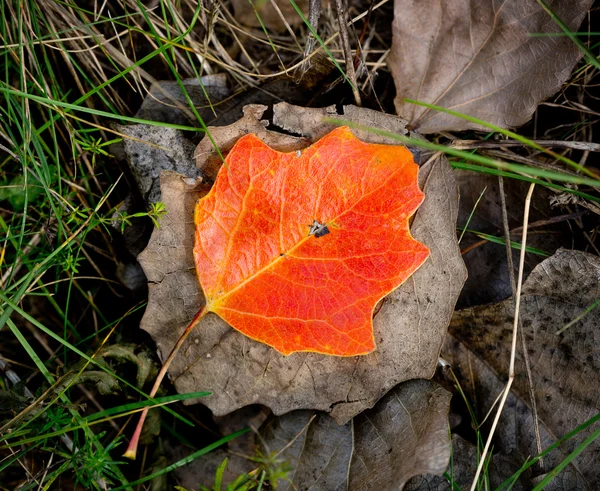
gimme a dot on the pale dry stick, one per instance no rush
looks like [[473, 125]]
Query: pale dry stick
[[31, 477], [376, 65], [513, 283], [345, 39], [478, 144], [513, 350], [136, 79], [285, 22], [49, 42], [48, 467]]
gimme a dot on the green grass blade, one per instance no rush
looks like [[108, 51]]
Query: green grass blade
[[589, 56], [505, 132], [572, 456], [187, 460]]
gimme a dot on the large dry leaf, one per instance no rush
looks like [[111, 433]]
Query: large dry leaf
[[479, 58], [489, 279], [409, 327], [565, 367], [405, 434]]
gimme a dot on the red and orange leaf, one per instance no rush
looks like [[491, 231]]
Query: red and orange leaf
[[295, 249]]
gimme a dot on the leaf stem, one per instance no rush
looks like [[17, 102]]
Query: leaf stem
[[131, 451]]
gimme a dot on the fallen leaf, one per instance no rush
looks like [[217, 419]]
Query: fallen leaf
[[152, 150], [270, 13], [295, 249], [310, 121], [203, 470], [146, 369], [564, 366], [317, 450], [405, 434], [409, 327], [489, 279], [166, 102], [462, 470], [480, 59]]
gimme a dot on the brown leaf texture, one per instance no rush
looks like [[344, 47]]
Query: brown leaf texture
[[479, 58], [565, 367], [271, 13], [409, 327], [489, 279], [405, 434]]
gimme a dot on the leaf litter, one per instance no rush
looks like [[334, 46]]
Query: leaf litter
[[565, 373], [405, 434], [239, 371], [253, 371]]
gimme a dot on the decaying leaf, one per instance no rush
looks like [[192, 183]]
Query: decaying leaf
[[462, 470], [269, 13], [564, 366], [295, 249], [128, 352], [316, 448], [479, 58], [489, 279], [310, 122], [408, 328], [166, 102], [155, 150], [405, 434]]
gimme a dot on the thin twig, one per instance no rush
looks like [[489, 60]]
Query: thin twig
[[511, 369], [344, 38]]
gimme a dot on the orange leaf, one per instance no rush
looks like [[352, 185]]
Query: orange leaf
[[295, 249]]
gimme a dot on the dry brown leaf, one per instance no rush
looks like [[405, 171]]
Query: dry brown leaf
[[309, 121], [151, 150], [489, 279], [406, 433], [565, 367], [166, 102], [479, 58], [409, 327], [270, 13]]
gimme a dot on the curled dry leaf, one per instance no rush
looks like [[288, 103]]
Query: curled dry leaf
[[405, 434], [408, 328], [480, 59], [564, 366]]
